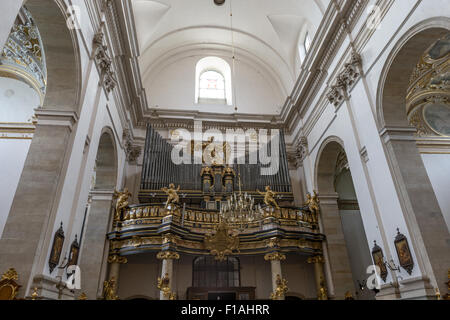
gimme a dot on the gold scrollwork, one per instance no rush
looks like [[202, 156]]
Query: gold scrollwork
[[109, 289], [275, 256], [280, 290], [166, 255], [316, 259], [117, 259]]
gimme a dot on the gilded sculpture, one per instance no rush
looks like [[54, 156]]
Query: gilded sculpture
[[122, 202], [322, 295], [172, 195], [222, 243], [8, 285], [280, 290], [164, 286], [109, 289], [312, 202], [269, 197]]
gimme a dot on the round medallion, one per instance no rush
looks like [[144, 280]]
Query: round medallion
[[437, 116], [219, 2]]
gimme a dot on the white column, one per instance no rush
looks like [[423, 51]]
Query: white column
[[167, 258], [275, 259]]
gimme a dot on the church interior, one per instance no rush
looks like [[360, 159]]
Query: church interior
[[225, 150]]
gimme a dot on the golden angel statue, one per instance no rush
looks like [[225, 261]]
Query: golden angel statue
[[109, 289], [269, 197], [172, 193], [122, 201], [312, 202]]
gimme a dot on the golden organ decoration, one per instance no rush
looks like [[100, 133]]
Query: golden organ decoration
[[172, 196], [122, 202]]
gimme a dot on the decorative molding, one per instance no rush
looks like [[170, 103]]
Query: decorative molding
[[47, 117], [345, 80], [104, 63], [132, 150]]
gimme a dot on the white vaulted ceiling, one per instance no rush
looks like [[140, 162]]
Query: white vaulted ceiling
[[266, 32]]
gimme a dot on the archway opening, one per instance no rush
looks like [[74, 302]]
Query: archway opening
[[348, 250], [105, 175]]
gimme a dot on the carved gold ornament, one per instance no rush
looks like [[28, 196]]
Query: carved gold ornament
[[117, 259], [121, 203], [316, 259], [312, 202], [322, 294], [281, 288], [82, 296], [35, 295], [8, 285], [164, 287], [275, 256], [172, 195], [167, 255], [269, 197], [222, 243], [11, 274], [109, 289]]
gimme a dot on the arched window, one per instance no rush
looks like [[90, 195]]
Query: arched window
[[307, 42], [304, 44], [212, 85], [211, 273], [213, 81]]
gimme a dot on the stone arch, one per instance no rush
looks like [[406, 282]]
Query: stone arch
[[95, 247], [341, 221], [398, 68], [106, 162], [420, 207], [62, 54]]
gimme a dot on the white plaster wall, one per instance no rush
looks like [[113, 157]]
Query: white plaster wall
[[173, 87], [17, 103], [438, 169], [12, 159]]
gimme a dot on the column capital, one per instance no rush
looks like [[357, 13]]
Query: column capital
[[163, 255], [114, 258], [275, 256], [316, 259]]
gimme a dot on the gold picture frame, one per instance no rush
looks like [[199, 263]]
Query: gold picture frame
[[57, 246], [74, 252], [378, 260], [403, 252]]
